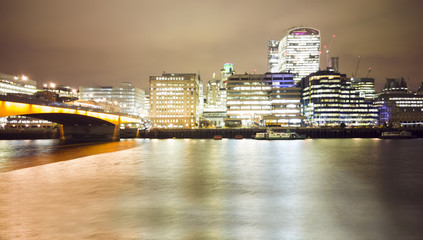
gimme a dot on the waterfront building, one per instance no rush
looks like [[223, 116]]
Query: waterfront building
[[200, 108], [65, 93], [285, 100], [263, 99], [247, 100], [175, 100], [395, 85], [329, 100], [215, 117], [273, 56], [299, 52], [216, 94], [129, 98], [365, 87], [17, 84], [398, 106], [24, 87], [213, 93], [215, 107], [225, 72], [146, 111]]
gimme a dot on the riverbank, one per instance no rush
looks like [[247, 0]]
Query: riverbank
[[250, 132], [9, 134], [224, 132]]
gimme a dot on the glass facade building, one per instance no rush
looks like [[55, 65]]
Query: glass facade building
[[129, 98], [365, 87], [299, 52], [329, 99], [285, 100], [263, 99]]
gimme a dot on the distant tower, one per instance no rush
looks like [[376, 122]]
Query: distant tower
[[226, 71], [299, 52], [395, 85], [334, 64], [273, 56]]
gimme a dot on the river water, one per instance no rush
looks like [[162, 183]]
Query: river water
[[206, 189]]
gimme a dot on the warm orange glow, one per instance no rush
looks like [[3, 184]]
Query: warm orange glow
[[13, 109]]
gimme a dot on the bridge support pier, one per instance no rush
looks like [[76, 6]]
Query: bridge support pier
[[89, 133]]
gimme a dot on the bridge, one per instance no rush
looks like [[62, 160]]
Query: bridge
[[77, 124]]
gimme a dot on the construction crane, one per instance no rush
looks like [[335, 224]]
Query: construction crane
[[370, 69], [356, 69]]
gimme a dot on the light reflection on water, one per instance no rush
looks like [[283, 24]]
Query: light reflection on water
[[229, 189]]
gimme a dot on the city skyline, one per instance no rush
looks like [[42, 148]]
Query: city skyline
[[108, 42]]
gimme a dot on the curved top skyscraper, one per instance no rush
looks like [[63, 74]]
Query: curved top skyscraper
[[299, 52]]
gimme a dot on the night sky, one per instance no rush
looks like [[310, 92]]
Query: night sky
[[99, 42]]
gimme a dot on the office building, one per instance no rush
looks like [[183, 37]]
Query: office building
[[329, 100], [285, 100], [365, 87], [263, 99], [273, 56], [24, 87], [175, 100], [398, 106], [64, 93], [17, 84], [215, 95], [129, 98], [395, 85], [299, 52], [247, 100]]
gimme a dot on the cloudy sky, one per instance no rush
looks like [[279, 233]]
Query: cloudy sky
[[105, 42]]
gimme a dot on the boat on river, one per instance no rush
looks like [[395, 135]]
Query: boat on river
[[271, 135], [397, 135]]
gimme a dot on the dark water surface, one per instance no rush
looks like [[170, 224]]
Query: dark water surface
[[207, 189]]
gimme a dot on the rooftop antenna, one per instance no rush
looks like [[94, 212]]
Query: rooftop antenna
[[356, 69], [370, 69]]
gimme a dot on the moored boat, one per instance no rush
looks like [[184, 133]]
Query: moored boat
[[397, 135], [270, 135], [217, 137]]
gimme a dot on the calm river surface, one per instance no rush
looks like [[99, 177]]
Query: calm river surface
[[193, 189]]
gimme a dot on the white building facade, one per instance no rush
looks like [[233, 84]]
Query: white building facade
[[299, 52], [129, 98]]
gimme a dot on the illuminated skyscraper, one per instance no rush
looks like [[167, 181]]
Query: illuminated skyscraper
[[299, 52]]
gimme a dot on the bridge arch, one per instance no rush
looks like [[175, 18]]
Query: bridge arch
[[102, 125]]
